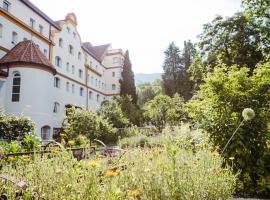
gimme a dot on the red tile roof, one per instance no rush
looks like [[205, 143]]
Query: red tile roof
[[26, 52]]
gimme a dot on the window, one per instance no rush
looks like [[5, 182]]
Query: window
[[80, 73], [45, 52], [90, 94], [67, 86], [81, 91], [73, 69], [96, 82], [97, 97], [74, 34], [96, 67], [92, 80], [71, 50], [24, 39], [113, 74], [45, 133], [73, 88], [68, 29], [91, 63], [40, 29], [99, 84], [113, 86], [32, 23], [57, 82], [1, 30], [67, 68], [58, 61], [60, 42], [56, 107], [79, 55], [16, 87], [14, 38], [6, 6], [116, 60]]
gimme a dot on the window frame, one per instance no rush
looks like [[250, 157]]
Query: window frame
[[16, 83]]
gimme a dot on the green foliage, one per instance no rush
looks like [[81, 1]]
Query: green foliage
[[127, 83], [164, 109], [30, 143], [131, 110], [87, 123], [222, 98], [15, 127], [112, 111], [165, 172], [147, 91], [176, 77]]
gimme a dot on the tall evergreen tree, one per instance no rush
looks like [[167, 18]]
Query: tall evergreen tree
[[172, 67], [127, 83]]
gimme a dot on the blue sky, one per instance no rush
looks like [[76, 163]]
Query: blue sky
[[144, 27]]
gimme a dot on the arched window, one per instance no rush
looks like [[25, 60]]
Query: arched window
[[45, 132], [16, 87], [58, 61], [57, 82], [14, 38], [56, 107], [67, 66], [113, 86], [90, 94], [71, 49], [1, 30], [60, 42], [67, 86]]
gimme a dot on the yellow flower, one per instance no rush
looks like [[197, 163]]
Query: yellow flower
[[134, 193], [11, 158], [92, 164], [55, 150], [111, 173]]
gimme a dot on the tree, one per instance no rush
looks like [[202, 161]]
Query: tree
[[164, 110], [127, 83], [147, 91], [87, 123], [131, 110], [112, 111], [185, 84], [227, 91], [172, 67]]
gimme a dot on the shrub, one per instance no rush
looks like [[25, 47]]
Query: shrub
[[15, 127], [221, 100], [111, 111], [87, 123]]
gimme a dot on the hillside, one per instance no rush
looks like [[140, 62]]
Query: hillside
[[142, 78]]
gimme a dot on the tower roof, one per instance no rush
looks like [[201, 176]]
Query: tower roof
[[26, 52]]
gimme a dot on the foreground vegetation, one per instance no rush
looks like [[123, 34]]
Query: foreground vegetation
[[170, 170]]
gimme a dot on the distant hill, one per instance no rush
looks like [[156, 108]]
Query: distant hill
[[143, 78]]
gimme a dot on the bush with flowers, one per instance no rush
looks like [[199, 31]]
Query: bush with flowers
[[234, 101], [170, 171]]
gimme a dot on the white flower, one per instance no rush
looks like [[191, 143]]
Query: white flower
[[248, 114]]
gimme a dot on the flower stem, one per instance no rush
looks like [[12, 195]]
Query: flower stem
[[232, 136]]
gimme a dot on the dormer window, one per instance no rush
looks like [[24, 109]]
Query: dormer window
[[71, 49], [6, 6], [32, 23]]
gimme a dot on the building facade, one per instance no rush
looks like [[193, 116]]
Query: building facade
[[45, 67]]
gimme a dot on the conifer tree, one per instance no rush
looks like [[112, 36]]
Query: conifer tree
[[172, 67], [127, 83]]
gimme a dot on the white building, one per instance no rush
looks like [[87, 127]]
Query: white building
[[45, 67]]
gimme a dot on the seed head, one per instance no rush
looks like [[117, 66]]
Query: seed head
[[248, 114]]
